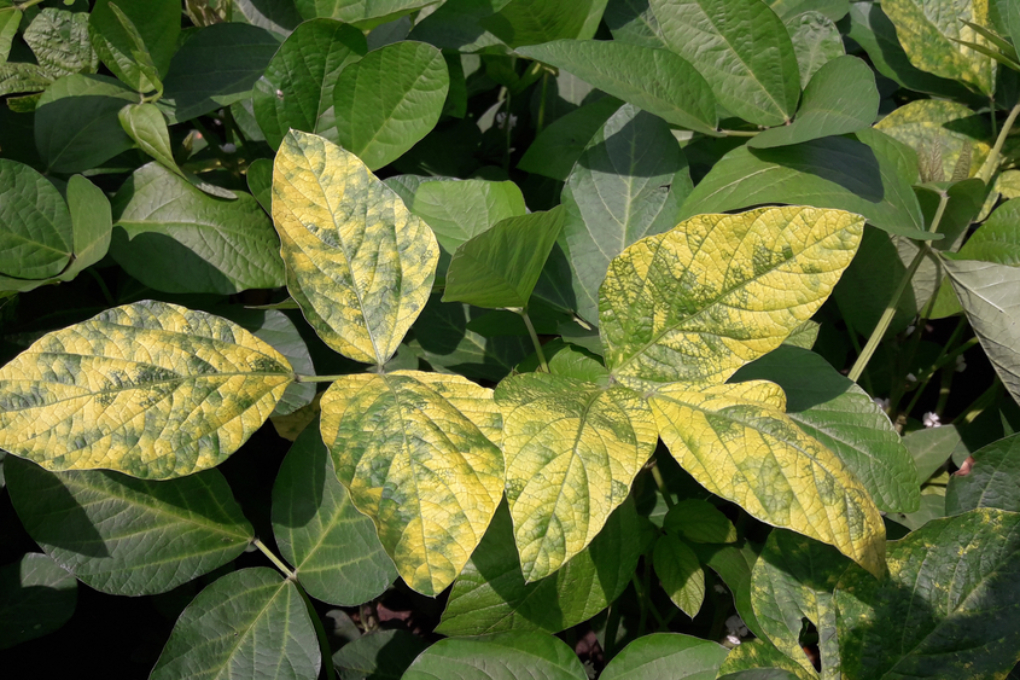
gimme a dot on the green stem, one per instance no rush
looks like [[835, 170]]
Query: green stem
[[739, 133], [661, 483], [541, 104], [947, 383], [890, 310], [852, 334], [298, 378], [939, 363], [26, 5], [534, 339], [612, 630], [915, 341], [992, 162], [275, 560]]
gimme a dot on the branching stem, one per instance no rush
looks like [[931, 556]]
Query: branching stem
[[274, 559]]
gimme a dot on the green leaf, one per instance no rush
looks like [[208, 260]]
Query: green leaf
[[260, 182], [296, 91], [816, 41], [558, 146], [500, 267], [116, 392], [670, 312], [251, 623], [628, 184], [993, 480], [733, 566], [931, 448], [680, 574], [459, 211], [158, 24], [382, 655], [60, 42], [175, 238], [491, 595], [278, 16], [333, 547], [361, 270], [743, 50], [836, 172], [952, 592], [76, 122], [699, 521], [793, 580], [93, 224], [145, 124], [389, 100], [128, 536], [761, 674], [36, 232], [37, 597], [736, 441], [418, 454], [744, 662], [1009, 17], [929, 33], [834, 10], [216, 67], [9, 22], [987, 293], [658, 81], [456, 25], [511, 656], [529, 22], [634, 22], [364, 13], [572, 451], [842, 97], [843, 417], [18, 77], [662, 656], [805, 335]]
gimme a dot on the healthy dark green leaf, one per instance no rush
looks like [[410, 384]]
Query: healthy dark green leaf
[[992, 482], [363, 13], [680, 574], [382, 655], [510, 656], [558, 146], [459, 211], [529, 22], [931, 448], [816, 41], [158, 24], [699, 521], [35, 225], [92, 221], [9, 22], [37, 597], [633, 21], [666, 656]]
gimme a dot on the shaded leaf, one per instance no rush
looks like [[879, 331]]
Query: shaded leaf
[[993, 480], [36, 231], [699, 521], [528, 22], [558, 146], [680, 574], [158, 24], [37, 597], [633, 21], [365, 13], [382, 655]]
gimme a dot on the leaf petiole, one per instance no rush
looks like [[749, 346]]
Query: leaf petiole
[[291, 576]]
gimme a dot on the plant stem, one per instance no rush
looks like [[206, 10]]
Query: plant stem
[[540, 123], [938, 363], [534, 338], [661, 483], [298, 378], [738, 133], [274, 559], [992, 162], [612, 630]]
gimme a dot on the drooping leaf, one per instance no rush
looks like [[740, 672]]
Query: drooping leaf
[[360, 269], [158, 24], [743, 50], [296, 91], [680, 574], [333, 547], [145, 124], [557, 147], [37, 597], [491, 595], [510, 656], [529, 22], [382, 655], [128, 536], [60, 42], [952, 592], [36, 231], [386, 102], [662, 656], [658, 81], [700, 522], [698, 302], [572, 451], [250, 623], [993, 480], [816, 42], [842, 97], [418, 454], [736, 441], [173, 237], [150, 389]]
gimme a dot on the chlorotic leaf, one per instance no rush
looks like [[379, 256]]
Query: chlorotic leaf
[[680, 574], [418, 454], [37, 597], [993, 480], [36, 231], [572, 451], [128, 536], [250, 623], [150, 389], [358, 263], [736, 441], [760, 660], [696, 303], [666, 655], [510, 656]]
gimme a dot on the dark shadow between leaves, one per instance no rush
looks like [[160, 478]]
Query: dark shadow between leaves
[[840, 160]]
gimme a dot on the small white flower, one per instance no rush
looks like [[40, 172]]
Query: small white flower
[[228, 148], [961, 363], [931, 419], [733, 639], [910, 329], [882, 403], [911, 377], [735, 626]]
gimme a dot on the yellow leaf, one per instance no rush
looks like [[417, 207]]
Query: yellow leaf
[[425, 471], [359, 264], [737, 442], [149, 389], [696, 303], [572, 450]]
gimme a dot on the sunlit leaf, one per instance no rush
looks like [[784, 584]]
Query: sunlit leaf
[[510, 656], [666, 656], [760, 660], [680, 574], [816, 41]]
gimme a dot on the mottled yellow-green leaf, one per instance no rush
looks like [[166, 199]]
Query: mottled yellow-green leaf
[[416, 452], [739, 444], [572, 450], [755, 654], [359, 264], [698, 302], [928, 29], [149, 389]]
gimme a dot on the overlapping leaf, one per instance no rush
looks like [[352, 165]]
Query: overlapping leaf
[[37, 597], [35, 225], [680, 574], [156, 22], [666, 655], [510, 656], [816, 41]]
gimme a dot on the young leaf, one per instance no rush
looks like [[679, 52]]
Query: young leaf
[[680, 573], [416, 452], [743, 50], [666, 656], [60, 42], [36, 231], [952, 592], [658, 81], [145, 124], [158, 24], [386, 102], [37, 597], [333, 547], [358, 263], [129, 536], [250, 623], [842, 97], [150, 389], [672, 311], [296, 91], [736, 441], [572, 451], [511, 656], [816, 42], [500, 267]]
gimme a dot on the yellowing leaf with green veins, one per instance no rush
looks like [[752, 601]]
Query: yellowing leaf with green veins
[[737, 442], [359, 264], [417, 453], [696, 303], [572, 450], [149, 389]]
